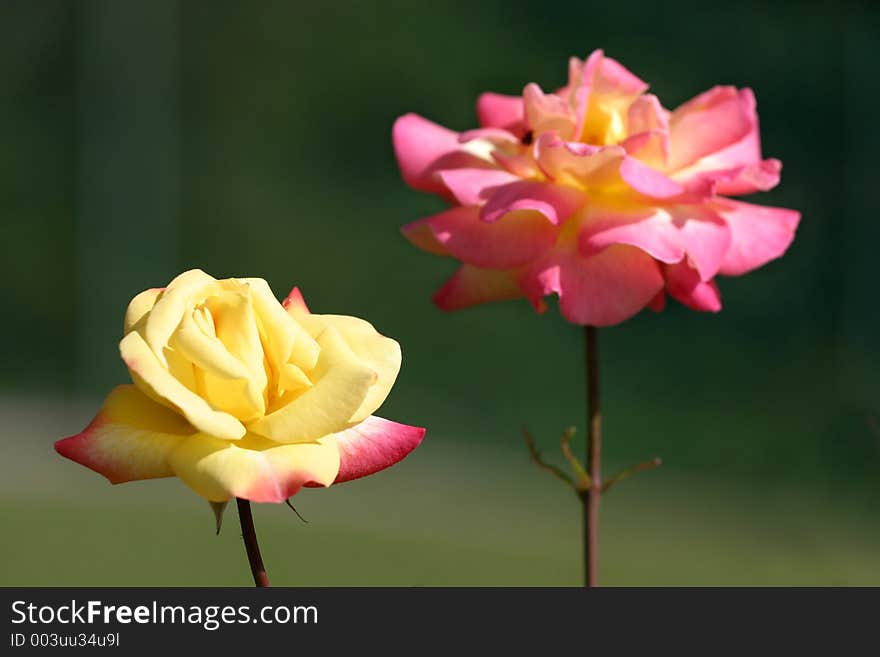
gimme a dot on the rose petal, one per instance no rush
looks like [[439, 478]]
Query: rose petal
[[759, 234], [556, 202], [500, 111], [294, 302], [129, 439], [474, 186], [658, 303], [423, 148], [683, 283], [650, 229], [548, 112], [647, 180], [379, 353], [705, 236], [235, 323], [420, 235], [286, 340], [169, 308], [153, 379], [342, 382], [139, 307], [373, 445], [612, 77], [714, 120], [578, 165], [253, 468], [470, 286], [514, 239], [602, 290]]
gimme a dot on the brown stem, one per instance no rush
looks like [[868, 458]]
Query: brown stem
[[249, 534], [592, 495]]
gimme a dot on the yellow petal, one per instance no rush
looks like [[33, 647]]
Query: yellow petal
[[293, 379], [164, 318], [155, 381], [206, 351], [140, 306], [236, 326], [380, 353], [287, 341], [130, 438], [341, 383], [253, 468]]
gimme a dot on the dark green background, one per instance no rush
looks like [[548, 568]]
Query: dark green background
[[139, 139]]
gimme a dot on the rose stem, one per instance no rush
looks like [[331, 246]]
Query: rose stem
[[590, 497], [249, 534]]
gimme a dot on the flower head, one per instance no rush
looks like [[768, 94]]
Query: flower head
[[597, 194], [241, 396]]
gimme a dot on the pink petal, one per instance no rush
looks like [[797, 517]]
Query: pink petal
[[744, 179], [295, 299], [577, 164], [658, 303], [646, 113], [474, 186], [514, 239], [648, 181], [600, 76], [759, 234], [748, 149], [129, 439], [748, 179], [738, 168], [612, 77], [493, 135], [648, 125], [423, 148], [420, 235], [500, 111], [556, 202], [520, 164], [373, 445], [712, 121], [548, 112], [583, 165], [470, 286], [650, 229], [602, 290], [705, 236], [683, 283], [650, 147]]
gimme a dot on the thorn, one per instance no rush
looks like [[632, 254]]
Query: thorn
[[293, 508]]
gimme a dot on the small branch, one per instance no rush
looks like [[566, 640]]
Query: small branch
[[583, 478], [549, 467], [629, 472]]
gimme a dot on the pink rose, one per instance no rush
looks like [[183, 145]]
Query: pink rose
[[596, 193]]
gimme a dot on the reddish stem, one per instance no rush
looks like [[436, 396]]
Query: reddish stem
[[249, 534], [592, 496]]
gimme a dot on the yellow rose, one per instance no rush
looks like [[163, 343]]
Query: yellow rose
[[241, 396]]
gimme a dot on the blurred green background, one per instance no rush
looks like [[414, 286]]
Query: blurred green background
[[139, 139]]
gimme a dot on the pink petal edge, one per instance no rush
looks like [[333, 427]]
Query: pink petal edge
[[373, 445]]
